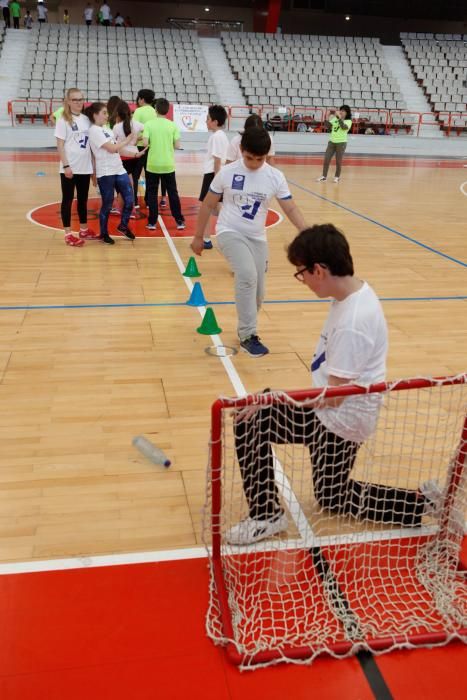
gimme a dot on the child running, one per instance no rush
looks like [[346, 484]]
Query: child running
[[110, 173], [340, 127], [72, 135], [216, 155], [247, 186]]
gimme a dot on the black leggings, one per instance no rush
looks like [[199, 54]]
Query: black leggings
[[332, 460], [81, 182]]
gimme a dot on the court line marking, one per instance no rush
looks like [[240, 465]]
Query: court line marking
[[51, 228], [406, 237], [153, 557], [462, 186], [283, 484], [142, 304]]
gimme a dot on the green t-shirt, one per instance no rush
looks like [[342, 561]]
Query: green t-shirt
[[58, 113], [143, 115], [15, 9], [161, 134], [339, 135]]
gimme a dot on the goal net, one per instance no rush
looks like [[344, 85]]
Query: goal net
[[353, 544]]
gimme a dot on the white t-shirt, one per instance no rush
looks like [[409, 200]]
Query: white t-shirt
[[76, 137], [88, 13], [105, 11], [234, 152], [247, 194], [218, 144], [119, 21], [4, 3], [41, 11], [106, 163], [119, 134], [353, 345]]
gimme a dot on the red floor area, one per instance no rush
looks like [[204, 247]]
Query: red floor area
[[137, 632]]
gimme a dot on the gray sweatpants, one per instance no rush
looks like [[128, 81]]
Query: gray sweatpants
[[248, 260], [338, 149]]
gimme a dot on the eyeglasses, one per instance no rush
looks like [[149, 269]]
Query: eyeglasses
[[300, 274]]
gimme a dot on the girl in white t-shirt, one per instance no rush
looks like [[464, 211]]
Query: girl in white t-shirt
[[72, 135], [234, 152], [130, 155], [110, 173]]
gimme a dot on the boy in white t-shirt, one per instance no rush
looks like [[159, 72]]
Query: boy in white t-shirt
[[216, 155], [247, 187], [352, 349], [234, 152]]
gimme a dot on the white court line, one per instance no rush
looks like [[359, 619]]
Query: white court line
[[134, 558], [462, 186], [298, 516], [36, 223]]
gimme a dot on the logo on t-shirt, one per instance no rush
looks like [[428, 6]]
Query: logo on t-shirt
[[238, 182], [74, 126]]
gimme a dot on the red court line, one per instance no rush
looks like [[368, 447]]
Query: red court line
[[137, 631], [364, 160]]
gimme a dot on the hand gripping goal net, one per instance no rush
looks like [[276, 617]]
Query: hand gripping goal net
[[327, 542]]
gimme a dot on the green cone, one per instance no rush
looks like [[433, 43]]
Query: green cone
[[209, 325], [192, 269]]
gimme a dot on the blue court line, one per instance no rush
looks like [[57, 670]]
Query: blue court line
[[39, 307], [378, 223]]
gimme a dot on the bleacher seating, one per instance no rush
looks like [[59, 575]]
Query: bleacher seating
[[103, 61], [311, 71], [439, 63]]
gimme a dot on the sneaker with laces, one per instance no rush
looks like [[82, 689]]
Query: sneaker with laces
[[434, 503], [207, 245], [163, 203], [181, 225], [88, 234], [107, 239], [336, 179], [127, 232], [74, 241], [253, 346], [137, 206], [321, 179], [151, 227], [433, 495], [115, 212], [251, 530]]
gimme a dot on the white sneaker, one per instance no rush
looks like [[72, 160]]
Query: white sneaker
[[249, 530], [433, 494], [336, 179], [321, 179]]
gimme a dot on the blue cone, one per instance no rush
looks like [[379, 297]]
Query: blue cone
[[197, 296], [40, 173]]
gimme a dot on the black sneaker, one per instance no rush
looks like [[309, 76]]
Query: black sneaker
[[181, 225], [127, 232], [253, 346], [107, 239]]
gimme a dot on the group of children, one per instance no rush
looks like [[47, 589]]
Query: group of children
[[108, 144]]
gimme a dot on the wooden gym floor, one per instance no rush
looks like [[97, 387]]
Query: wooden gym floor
[[97, 345]]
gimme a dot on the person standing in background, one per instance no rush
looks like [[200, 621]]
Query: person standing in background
[[88, 14], [15, 10], [105, 14], [28, 20], [66, 17], [41, 13], [340, 122], [6, 13]]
